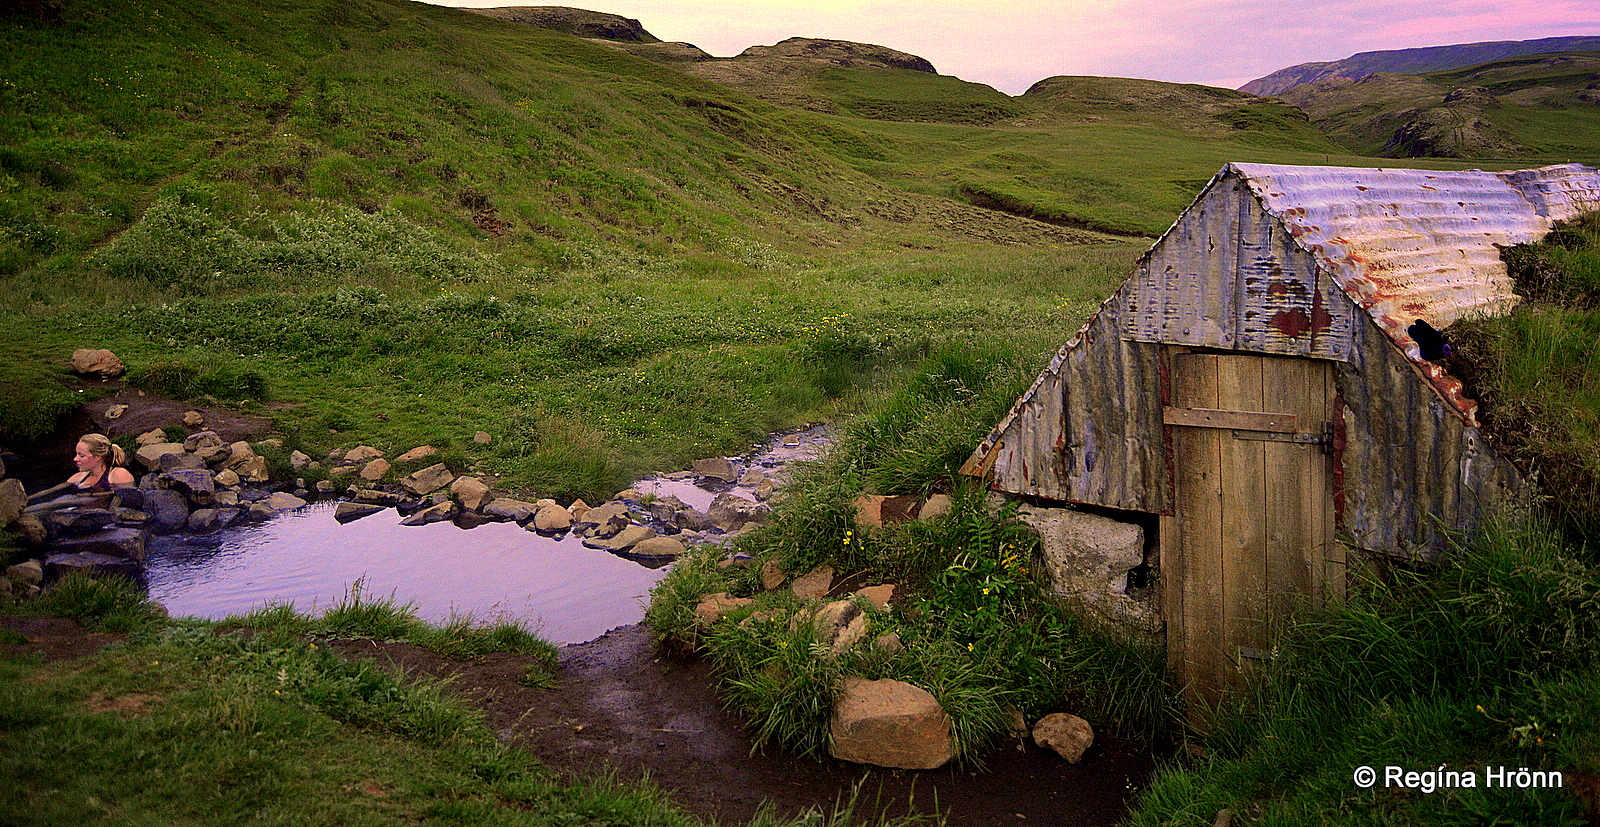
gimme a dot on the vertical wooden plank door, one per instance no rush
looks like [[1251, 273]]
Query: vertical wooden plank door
[[1250, 536]]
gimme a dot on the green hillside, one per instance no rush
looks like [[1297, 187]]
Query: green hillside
[[1542, 108]]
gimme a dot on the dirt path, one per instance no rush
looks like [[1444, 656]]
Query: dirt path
[[621, 707]]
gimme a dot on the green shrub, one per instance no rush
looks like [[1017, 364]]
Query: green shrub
[[111, 603]]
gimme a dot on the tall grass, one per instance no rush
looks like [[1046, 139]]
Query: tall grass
[[1488, 661]]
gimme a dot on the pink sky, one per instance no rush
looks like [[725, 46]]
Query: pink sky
[[1010, 44]]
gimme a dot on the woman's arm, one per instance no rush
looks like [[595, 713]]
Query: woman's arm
[[119, 476]]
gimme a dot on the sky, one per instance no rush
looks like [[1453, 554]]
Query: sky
[[1011, 44]]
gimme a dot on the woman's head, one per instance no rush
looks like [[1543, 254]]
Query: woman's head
[[95, 451]]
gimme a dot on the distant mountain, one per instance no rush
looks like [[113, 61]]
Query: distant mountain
[[1415, 61], [1545, 105]]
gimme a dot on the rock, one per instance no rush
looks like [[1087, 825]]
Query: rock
[[283, 501], [713, 607], [813, 584], [432, 514], [226, 499], [150, 455], [374, 470], [150, 437], [168, 510], [717, 468], [888, 723], [252, 469], [62, 564], [578, 509], [194, 484], [731, 512], [764, 491], [361, 454], [482, 438], [877, 510], [518, 511], [373, 496], [622, 540], [13, 500], [65, 521], [936, 506], [348, 511], [772, 575], [126, 543], [470, 492], [752, 477], [888, 644], [194, 419], [226, 477], [1068, 735], [31, 529], [428, 479], [116, 411], [839, 625], [238, 452], [323, 487], [607, 519], [689, 518], [207, 520], [665, 548], [203, 439], [552, 518], [879, 596], [182, 459], [260, 511], [29, 572], [98, 363], [298, 460], [419, 452], [1087, 560]]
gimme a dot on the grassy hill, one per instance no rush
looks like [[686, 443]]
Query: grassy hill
[[1543, 108], [407, 222]]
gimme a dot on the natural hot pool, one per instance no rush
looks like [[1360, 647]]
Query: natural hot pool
[[494, 572]]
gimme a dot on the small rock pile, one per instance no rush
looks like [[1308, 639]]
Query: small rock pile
[[887, 723]]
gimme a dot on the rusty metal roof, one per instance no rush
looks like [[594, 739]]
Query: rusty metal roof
[[1410, 244]]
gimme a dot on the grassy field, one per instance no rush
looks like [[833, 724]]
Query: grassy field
[[401, 224]]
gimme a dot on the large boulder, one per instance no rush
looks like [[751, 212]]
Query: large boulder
[[658, 548], [59, 565], [102, 364], [813, 584], [889, 723], [66, 521], [374, 470]]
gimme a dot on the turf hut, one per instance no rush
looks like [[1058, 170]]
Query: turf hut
[[1261, 399]]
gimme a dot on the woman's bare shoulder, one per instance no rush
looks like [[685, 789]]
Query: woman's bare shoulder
[[120, 476]]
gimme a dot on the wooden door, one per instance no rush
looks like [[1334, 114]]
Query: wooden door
[[1251, 534]]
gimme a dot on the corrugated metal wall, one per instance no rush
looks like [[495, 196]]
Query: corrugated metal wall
[[1230, 276]]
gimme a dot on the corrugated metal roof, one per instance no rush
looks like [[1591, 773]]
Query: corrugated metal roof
[[1411, 244]]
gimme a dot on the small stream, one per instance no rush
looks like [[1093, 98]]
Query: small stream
[[497, 572]]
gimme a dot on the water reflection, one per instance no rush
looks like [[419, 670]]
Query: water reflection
[[495, 572]]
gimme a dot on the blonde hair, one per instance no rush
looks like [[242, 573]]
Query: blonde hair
[[109, 452]]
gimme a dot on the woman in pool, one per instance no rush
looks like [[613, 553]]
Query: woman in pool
[[99, 465]]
